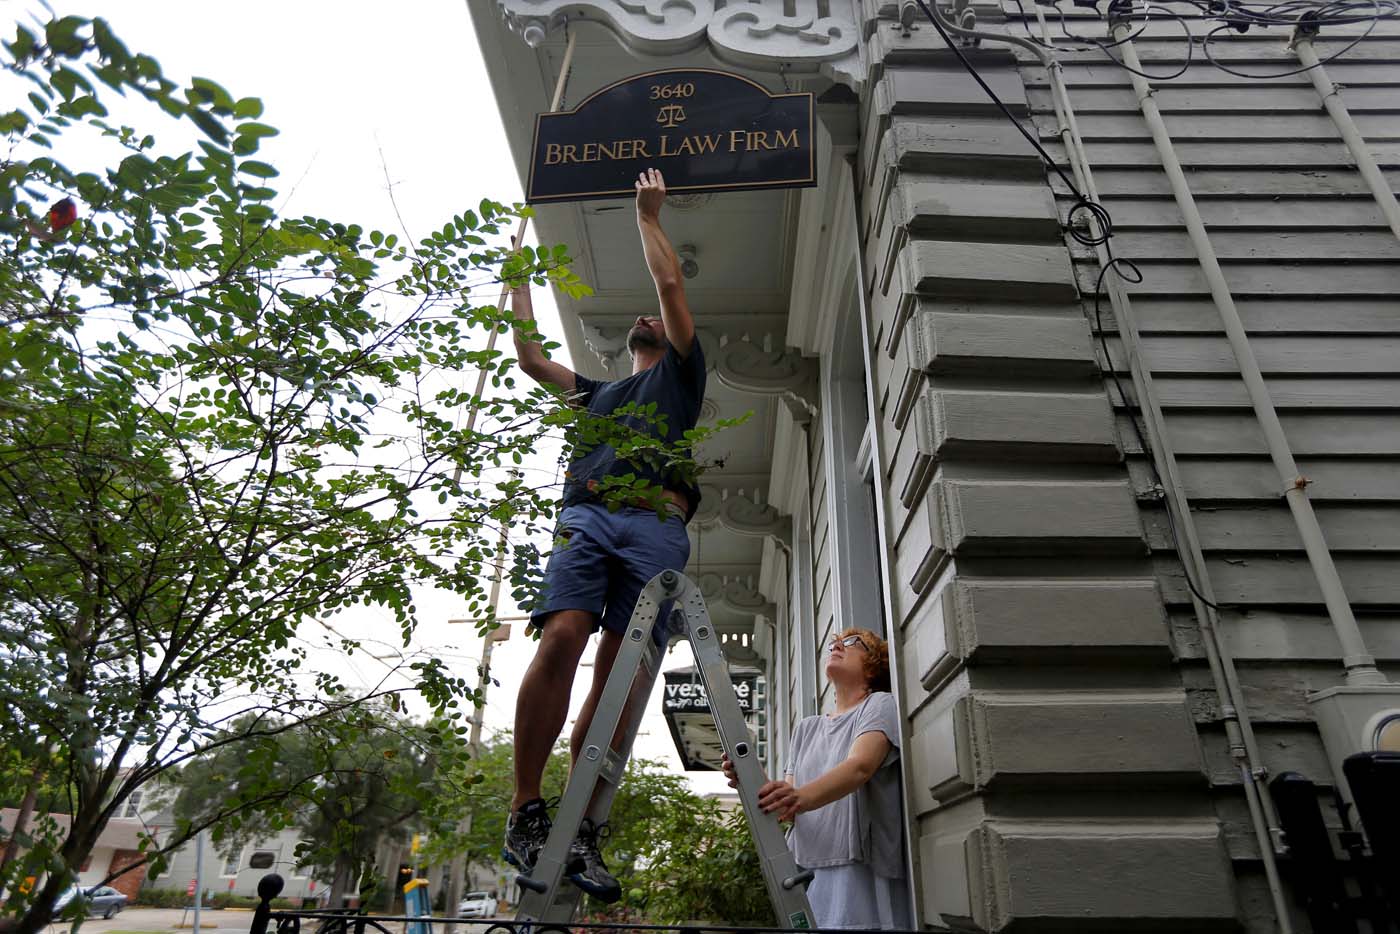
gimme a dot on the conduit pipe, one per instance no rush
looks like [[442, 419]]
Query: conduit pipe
[[1239, 733], [1244, 750], [1337, 110], [1359, 664]]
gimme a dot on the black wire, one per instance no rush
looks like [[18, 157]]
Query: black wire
[[1231, 15], [1205, 47], [1129, 272], [1006, 111], [1190, 51], [1025, 24], [1125, 269]]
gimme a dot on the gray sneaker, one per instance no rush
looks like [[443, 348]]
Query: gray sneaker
[[527, 831], [593, 877]]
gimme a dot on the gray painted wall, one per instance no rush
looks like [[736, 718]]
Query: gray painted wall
[[1069, 762]]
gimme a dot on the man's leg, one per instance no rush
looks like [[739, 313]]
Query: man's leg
[[602, 667], [542, 705], [646, 547]]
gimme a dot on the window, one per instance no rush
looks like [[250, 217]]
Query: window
[[857, 585], [231, 864], [262, 859], [132, 807]]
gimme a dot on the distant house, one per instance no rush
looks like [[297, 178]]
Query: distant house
[[117, 847], [238, 871]]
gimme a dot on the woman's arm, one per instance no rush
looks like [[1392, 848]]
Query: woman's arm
[[867, 754]]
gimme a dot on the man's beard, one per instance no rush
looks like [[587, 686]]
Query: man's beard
[[643, 337]]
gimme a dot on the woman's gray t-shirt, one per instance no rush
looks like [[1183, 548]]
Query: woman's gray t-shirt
[[867, 825]]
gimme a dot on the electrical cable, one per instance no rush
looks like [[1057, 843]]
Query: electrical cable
[[1205, 49], [1125, 269], [1185, 28], [1231, 15]]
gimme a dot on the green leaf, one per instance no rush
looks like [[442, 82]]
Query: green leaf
[[62, 35], [16, 121], [258, 169], [107, 43], [210, 126], [256, 130], [210, 92], [23, 45]]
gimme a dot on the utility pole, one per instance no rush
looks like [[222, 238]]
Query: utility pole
[[458, 868], [198, 877]]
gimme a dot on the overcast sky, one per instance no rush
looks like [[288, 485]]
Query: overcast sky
[[359, 90]]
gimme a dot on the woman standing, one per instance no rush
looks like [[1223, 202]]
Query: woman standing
[[841, 791]]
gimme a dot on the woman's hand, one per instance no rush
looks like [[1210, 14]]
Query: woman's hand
[[727, 768], [782, 799]]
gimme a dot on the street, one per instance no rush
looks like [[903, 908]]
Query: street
[[163, 921]]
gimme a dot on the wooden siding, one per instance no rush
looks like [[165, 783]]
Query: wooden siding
[[1056, 706], [1315, 272]]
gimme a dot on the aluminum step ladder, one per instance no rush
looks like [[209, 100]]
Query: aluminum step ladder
[[547, 896]]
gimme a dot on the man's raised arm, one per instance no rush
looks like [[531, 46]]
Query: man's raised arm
[[529, 352], [664, 265]]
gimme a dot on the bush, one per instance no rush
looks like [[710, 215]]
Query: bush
[[161, 898], [176, 898]]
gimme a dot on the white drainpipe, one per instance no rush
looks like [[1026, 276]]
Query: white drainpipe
[[1337, 110], [1359, 664]]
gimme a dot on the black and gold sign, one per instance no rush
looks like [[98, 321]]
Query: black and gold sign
[[705, 130]]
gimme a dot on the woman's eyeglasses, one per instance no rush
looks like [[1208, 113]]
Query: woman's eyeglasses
[[848, 642]]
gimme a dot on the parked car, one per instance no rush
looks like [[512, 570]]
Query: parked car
[[477, 905], [100, 900]]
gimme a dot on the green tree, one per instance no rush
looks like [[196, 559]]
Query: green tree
[[678, 856], [349, 782], [216, 424], [703, 866]]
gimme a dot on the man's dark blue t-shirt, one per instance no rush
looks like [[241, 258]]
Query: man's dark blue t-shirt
[[677, 385]]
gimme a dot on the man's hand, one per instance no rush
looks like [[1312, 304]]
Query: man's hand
[[727, 768], [651, 192], [782, 799]]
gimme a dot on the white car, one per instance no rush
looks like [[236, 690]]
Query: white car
[[477, 905]]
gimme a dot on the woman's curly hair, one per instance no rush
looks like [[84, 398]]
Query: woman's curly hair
[[876, 659]]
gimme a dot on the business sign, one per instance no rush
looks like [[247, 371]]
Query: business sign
[[685, 694], [705, 130]]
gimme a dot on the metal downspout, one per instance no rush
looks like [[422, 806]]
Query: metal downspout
[[1337, 110], [1359, 664], [1244, 749]]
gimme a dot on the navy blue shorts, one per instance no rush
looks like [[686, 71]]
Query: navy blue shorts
[[602, 560]]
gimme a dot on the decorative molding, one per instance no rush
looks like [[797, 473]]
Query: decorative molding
[[607, 343], [824, 265], [741, 512], [787, 481], [753, 366], [764, 635], [760, 34], [734, 593], [772, 571]]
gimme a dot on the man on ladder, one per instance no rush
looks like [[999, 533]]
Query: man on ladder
[[603, 559]]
